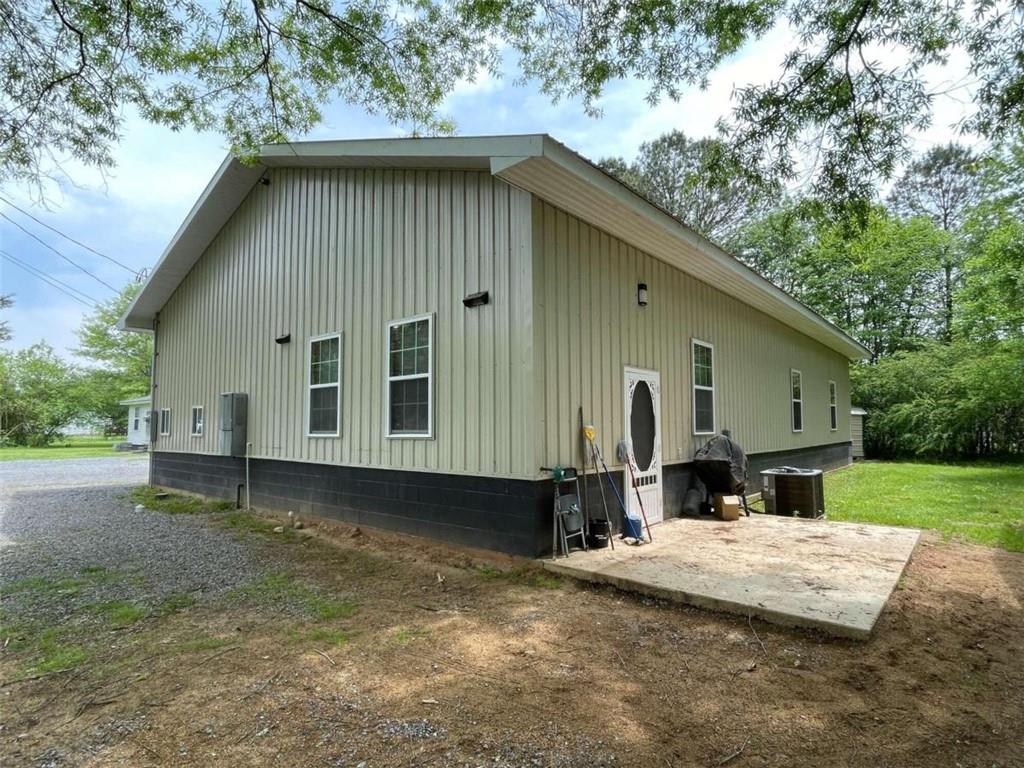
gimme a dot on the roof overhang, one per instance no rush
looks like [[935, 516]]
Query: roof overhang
[[137, 400], [535, 163]]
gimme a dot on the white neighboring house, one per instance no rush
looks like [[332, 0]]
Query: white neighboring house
[[139, 409]]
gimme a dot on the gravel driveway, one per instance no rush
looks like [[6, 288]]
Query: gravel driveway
[[71, 522]]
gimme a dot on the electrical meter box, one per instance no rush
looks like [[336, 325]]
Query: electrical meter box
[[234, 408]]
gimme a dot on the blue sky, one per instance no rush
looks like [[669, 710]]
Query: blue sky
[[132, 213]]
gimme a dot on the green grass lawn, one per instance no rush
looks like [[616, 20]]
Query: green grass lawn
[[979, 503], [78, 447]]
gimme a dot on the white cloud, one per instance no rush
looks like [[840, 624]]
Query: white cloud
[[54, 322]]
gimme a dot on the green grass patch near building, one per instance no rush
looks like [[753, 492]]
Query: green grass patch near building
[[977, 503], [177, 503], [78, 447]]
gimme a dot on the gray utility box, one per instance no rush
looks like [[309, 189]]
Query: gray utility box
[[792, 492], [234, 408]]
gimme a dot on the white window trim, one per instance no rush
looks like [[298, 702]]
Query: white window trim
[[192, 421], [162, 412], [388, 378], [694, 387], [310, 386], [833, 407], [792, 400]]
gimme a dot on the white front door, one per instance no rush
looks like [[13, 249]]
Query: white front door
[[643, 444]]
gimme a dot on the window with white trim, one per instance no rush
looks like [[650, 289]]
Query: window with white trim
[[197, 421], [702, 355], [324, 386], [797, 397], [135, 422], [833, 408], [165, 421], [410, 377]]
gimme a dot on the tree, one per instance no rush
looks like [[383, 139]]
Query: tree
[[991, 302], [122, 360], [875, 278], [6, 302], [258, 71], [696, 181], [37, 395], [941, 185]]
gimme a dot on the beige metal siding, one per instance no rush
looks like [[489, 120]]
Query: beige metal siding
[[857, 435], [588, 326], [347, 250]]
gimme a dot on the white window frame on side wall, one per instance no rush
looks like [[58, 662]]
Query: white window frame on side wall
[[833, 407], [695, 342], [165, 422], [429, 376], [794, 400], [196, 427], [310, 386]]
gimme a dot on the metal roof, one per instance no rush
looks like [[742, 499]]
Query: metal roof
[[536, 163]]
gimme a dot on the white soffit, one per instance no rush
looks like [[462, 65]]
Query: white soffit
[[569, 182]]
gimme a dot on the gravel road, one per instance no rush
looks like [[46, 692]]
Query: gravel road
[[73, 520]]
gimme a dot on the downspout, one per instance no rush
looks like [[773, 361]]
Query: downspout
[[152, 396]]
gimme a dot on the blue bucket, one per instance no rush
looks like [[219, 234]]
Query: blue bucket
[[633, 529]]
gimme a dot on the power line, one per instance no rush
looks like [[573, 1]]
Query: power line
[[47, 280], [99, 280], [69, 237], [83, 294]]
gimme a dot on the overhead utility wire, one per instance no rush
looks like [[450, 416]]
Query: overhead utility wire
[[69, 261], [83, 294], [47, 280], [111, 259]]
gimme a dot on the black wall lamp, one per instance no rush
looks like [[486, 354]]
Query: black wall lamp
[[641, 294], [283, 339], [477, 299]]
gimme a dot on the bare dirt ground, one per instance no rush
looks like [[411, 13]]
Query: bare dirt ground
[[369, 650]]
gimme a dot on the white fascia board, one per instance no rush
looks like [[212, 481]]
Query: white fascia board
[[435, 152], [570, 182]]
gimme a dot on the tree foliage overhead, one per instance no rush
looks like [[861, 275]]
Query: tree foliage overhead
[[852, 83], [255, 70], [696, 181]]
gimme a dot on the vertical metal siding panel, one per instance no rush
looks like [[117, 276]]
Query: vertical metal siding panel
[[487, 435], [314, 252], [753, 352], [429, 298]]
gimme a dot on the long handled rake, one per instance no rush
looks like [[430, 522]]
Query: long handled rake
[[591, 434]]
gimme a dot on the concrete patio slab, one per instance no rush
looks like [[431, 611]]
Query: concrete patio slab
[[835, 577]]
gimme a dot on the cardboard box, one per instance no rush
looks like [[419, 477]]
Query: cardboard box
[[727, 507]]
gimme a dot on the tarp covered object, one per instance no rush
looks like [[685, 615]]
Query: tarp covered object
[[722, 466]]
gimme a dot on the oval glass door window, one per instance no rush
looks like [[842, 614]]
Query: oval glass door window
[[641, 426]]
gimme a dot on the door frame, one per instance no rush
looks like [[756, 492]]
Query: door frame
[[651, 376]]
